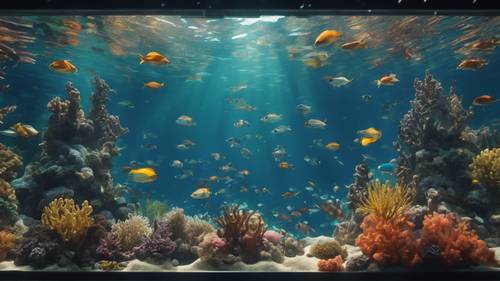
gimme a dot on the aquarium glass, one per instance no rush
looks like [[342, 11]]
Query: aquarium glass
[[277, 143]]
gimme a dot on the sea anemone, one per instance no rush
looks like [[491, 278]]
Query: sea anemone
[[386, 201]]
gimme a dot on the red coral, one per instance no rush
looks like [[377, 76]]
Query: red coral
[[388, 241], [458, 244], [331, 265]]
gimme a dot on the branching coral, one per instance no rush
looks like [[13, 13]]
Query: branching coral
[[453, 242], [486, 168], [388, 241], [243, 232], [131, 232], [68, 220], [158, 247], [386, 201], [328, 250], [7, 243], [9, 163], [331, 265]]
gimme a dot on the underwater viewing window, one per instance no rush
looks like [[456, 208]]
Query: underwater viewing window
[[283, 140]]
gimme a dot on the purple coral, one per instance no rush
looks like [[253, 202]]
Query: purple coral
[[157, 248], [40, 248], [109, 249]]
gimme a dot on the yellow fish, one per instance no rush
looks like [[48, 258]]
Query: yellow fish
[[63, 66], [389, 80], [154, 85], [332, 146], [201, 193], [213, 178], [366, 141], [25, 131], [327, 37], [154, 58], [370, 132], [143, 175]]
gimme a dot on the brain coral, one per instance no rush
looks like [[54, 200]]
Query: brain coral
[[486, 167]]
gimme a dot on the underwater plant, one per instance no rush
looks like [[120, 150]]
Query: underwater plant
[[452, 243], [388, 241], [69, 220], [8, 241], [486, 168], [331, 265], [153, 209], [386, 201], [327, 250], [131, 232]]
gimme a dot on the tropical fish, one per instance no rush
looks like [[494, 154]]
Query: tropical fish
[[63, 66], [185, 120], [327, 37], [281, 216], [281, 130], [245, 152], [289, 194], [332, 146], [244, 173], [284, 165], [311, 161], [201, 193], [20, 130], [365, 141], [154, 85], [483, 44], [216, 156], [472, 64], [484, 100], [315, 123], [388, 167], [154, 58], [279, 152], [332, 209], [233, 142], [185, 145], [271, 118], [368, 136], [304, 228], [337, 81], [304, 109], [241, 123], [388, 80], [126, 103], [176, 164], [213, 178], [353, 45], [143, 175]]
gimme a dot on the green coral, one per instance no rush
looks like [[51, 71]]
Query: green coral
[[153, 209], [327, 250]]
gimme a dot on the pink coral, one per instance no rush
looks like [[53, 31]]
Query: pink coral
[[219, 243], [331, 265], [457, 243], [273, 236]]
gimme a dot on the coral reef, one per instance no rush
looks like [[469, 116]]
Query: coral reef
[[213, 250], [242, 231], [347, 231], [450, 242], [386, 201], [131, 232], [7, 243], [331, 265], [76, 158], [388, 241], [9, 163], [486, 168], [110, 265], [327, 250], [158, 247], [68, 220], [8, 205], [39, 248]]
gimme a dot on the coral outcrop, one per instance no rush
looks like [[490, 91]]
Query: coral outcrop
[[8, 205], [69, 220], [76, 158], [331, 265], [40, 247], [486, 168], [157, 248], [450, 242], [8, 241], [326, 250]]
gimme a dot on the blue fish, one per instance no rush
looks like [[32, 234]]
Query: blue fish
[[387, 167]]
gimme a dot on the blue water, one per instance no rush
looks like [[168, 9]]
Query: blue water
[[275, 84]]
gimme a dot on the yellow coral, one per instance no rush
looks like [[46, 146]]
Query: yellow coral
[[7, 242], [69, 220], [386, 201], [110, 265], [131, 232], [486, 167], [6, 191], [9, 162]]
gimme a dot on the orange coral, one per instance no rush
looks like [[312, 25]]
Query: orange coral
[[458, 244], [331, 265], [7, 243], [6, 191], [388, 241]]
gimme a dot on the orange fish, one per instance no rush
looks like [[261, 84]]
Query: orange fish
[[284, 165], [327, 37], [289, 194], [484, 44], [484, 100], [72, 24], [472, 64], [334, 210], [63, 66], [154, 85], [389, 79], [154, 58]]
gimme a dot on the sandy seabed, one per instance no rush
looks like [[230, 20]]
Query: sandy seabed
[[302, 263]]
